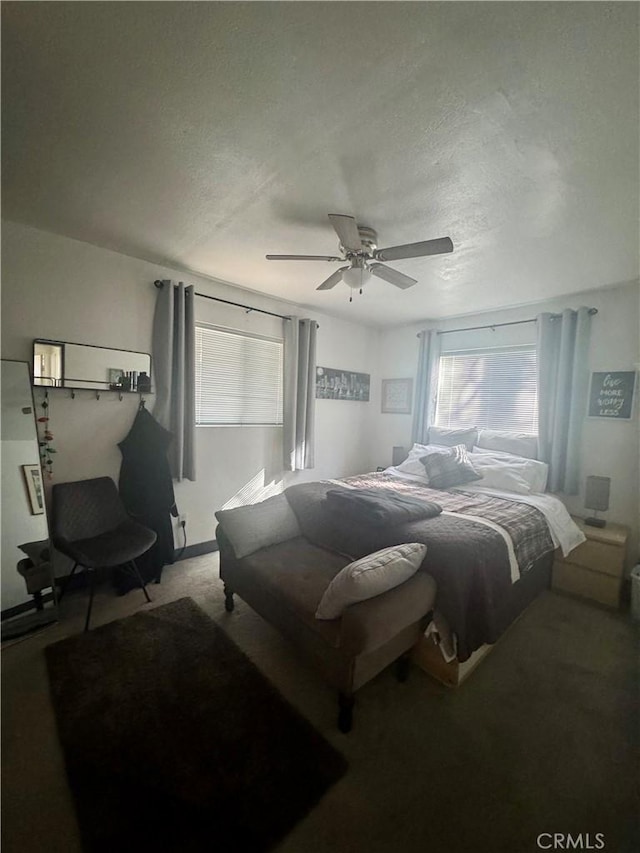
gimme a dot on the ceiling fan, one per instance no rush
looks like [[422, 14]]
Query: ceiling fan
[[358, 245]]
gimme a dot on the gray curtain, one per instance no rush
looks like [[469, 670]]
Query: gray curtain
[[563, 374], [299, 393], [426, 385], [174, 372]]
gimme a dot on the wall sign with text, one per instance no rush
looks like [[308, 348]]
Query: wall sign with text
[[611, 394]]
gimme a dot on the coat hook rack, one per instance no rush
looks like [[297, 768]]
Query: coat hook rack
[[97, 394], [73, 393]]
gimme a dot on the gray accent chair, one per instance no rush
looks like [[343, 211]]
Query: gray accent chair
[[91, 526]]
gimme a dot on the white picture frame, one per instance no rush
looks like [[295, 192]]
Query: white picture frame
[[35, 490], [397, 396], [612, 395]]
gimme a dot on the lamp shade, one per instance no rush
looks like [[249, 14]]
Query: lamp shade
[[356, 276], [597, 493], [398, 455]]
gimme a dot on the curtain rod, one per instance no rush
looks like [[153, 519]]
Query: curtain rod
[[159, 285], [497, 325]]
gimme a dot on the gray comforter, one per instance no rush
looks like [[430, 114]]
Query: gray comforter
[[469, 560]]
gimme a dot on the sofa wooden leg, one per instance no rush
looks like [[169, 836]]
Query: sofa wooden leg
[[402, 667], [345, 712], [228, 599]]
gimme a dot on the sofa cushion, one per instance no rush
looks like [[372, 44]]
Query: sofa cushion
[[370, 576], [295, 574], [369, 624], [249, 528], [285, 583]]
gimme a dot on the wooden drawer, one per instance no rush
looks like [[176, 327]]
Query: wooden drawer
[[599, 556], [580, 581]]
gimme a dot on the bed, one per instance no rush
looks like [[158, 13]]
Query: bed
[[490, 551]]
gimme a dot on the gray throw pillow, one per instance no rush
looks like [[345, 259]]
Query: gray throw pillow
[[452, 437], [256, 526], [449, 469]]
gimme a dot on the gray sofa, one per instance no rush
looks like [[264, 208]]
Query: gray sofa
[[267, 560]]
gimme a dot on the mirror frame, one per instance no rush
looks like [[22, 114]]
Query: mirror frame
[[25, 618], [105, 383]]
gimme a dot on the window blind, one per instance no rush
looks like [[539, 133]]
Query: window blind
[[238, 377], [490, 389]]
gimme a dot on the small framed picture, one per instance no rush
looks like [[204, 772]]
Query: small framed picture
[[611, 394], [33, 479], [396, 396]]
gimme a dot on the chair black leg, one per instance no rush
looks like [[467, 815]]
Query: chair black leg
[[402, 666], [92, 578], [63, 587], [345, 712], [136, 572], [228, 599]]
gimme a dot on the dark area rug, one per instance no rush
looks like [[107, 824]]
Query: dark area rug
[[174, 741]]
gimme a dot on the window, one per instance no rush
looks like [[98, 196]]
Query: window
[[490, 389], [238, 377]]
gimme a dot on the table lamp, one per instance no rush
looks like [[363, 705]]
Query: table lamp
[[398, 455], [597, 498]]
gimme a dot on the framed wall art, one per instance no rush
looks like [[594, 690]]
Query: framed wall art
[[332, 384], [611, 394], [33, 480], [396, 396]]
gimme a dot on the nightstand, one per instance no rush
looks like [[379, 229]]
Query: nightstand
[[594, 569]]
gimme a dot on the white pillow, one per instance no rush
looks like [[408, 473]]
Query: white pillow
[[499, 474], [370, 576], [256, 526], [534, 472], [453, 436], [517, 443]]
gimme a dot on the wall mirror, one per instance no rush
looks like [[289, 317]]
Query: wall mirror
[[26, 573], [61, 364]]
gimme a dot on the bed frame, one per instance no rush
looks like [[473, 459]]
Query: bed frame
[[427, 655]]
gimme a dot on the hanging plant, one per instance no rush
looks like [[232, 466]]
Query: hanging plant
[[47, 451]]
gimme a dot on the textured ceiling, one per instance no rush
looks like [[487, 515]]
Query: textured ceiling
[[205, 135]]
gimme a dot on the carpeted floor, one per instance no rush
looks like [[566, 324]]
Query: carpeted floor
[[174, 740], [543, 738]]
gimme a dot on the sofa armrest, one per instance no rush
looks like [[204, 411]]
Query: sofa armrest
[[369, 624]]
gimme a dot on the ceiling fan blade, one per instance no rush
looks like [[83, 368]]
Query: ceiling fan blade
[[302, 258], [392, 276], [334, 278], [347, 230], [415, 250]]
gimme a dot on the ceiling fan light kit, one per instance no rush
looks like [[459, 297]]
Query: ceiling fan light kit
[[359, 248]]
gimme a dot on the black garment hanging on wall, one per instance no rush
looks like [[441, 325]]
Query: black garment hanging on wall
[[146, 488]]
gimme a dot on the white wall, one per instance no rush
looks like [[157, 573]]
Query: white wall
[[62, 289], [609, 448]]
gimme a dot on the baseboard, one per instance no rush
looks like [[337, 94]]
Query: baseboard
[[79, 580], [197, 550], [25, 607]]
